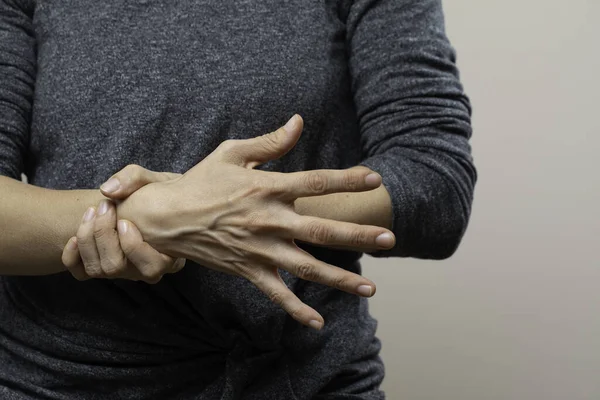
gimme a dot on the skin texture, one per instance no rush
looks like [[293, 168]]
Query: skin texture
[[43, 220], [246, 223], [114, 253], [114, 250], [36, 223]]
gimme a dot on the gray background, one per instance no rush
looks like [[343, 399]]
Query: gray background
[[515, 314]]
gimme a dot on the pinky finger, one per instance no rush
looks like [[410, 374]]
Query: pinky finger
[[275, 288], [72, 260]]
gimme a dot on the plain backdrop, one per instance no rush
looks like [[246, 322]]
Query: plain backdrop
[[515, 314]]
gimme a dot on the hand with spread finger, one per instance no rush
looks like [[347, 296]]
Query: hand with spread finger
[[105, 248], [226, 215]]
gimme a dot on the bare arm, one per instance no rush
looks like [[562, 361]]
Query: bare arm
[[365, 208], [35, 225]]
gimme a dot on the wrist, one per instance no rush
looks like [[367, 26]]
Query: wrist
[[149, 209]]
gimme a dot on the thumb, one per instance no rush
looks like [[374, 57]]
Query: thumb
[[270, 146], [131, 178]]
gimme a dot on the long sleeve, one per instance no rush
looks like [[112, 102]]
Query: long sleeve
[[414, 121], [17, 80]]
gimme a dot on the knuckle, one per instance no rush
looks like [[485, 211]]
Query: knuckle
[[276, 297], [113, 267], [84, 240], [93, 271], [100, 231], [130, 167], [266, 184], [151, 272], [164, 176], [271, 140], [307, 271], [315, 182], [351, 181], [359, 237], [340, 281], [257, 222], [133, 171], [227, 145], [319, 233]]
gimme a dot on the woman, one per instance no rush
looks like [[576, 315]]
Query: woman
[[272, 226]]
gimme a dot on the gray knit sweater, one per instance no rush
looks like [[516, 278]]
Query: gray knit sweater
[[88, 86]]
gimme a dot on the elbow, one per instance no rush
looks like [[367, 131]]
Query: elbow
[[434, 232], [443, 219], [444, 243], [441, 215], [431, 194]]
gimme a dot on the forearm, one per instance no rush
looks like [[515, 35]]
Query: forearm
[[365, 208], [36, 223]]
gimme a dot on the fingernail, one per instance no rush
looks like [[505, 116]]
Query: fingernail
[[72, 243], [111, 185], [385, 240], [315, 324], [180, 263], [365, 290], [291, 124], [103, 207], [122, 226], [373, 180], [89, 214]]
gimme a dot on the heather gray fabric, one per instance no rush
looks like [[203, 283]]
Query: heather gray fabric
[[87, 87]]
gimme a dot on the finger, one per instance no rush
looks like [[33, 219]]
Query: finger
[[150, 263], [72, 261], [275, 288], [112, 258], [271, 146], [177, 265], [322, 231], [131, 178], [324, 181], [86, 243], [305, 266]]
